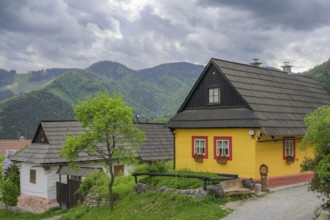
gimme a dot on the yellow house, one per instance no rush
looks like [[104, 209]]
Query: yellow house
[[238, 117]]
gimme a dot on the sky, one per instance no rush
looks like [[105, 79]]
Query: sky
[[140, 34]]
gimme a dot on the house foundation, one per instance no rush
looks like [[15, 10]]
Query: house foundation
[[35, 203], [288, 180]]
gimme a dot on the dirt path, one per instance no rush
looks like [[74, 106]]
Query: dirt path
[[293, 203]]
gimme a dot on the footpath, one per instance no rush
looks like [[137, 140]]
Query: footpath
[[280, 204]]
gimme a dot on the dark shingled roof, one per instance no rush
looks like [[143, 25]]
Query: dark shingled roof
[[275, 101], [157, 146]]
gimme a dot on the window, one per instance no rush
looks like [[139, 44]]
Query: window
[[288, 148], [214, 95], [118, 170], [199, 146], [223, 147], [33, 176]]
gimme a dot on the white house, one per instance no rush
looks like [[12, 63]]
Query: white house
[[43, 172]]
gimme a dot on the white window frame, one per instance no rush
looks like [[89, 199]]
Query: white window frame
[[199, 148], [289, 148], [214, 95], [222, 147]]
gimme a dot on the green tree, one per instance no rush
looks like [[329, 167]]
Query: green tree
[[318, 136], [110, 133]]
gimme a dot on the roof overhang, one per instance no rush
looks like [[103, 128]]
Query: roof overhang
[[80, 171]]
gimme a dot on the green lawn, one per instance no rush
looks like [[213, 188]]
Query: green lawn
[[4, 214], [154, 205], [150, 205]]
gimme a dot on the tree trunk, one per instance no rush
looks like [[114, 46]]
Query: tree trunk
[[112, 180]]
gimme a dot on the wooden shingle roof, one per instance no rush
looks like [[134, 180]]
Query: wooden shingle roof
[[50, 137], [274, 100]]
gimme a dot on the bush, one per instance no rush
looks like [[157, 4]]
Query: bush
[[10, 192], [97, 182], [155, 167], [12, 175], [317, 135]]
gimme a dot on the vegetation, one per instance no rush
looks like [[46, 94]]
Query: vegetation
[[150, 92], [318, 137], [322, 74], [154, 205], [110, 133], [151, 205], [95, 182], [21, 116], [9, 183], [17, 215]]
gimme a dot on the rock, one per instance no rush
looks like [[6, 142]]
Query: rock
[[140, 188], [215, 190], [324, 215]]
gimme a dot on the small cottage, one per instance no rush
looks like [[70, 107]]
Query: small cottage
[[245, 119], [43, 172]]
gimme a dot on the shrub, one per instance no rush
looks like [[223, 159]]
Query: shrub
[[155, 167], [12, 175], [97, 182], [10, 192], [317, 135]]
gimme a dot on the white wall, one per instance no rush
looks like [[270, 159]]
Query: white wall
[[37, 189], [45, 185], [52, 178]]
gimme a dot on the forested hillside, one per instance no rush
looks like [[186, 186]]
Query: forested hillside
[[322, 74], [12, 84], [153, 92]]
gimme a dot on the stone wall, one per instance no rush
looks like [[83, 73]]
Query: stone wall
[[35, 203]]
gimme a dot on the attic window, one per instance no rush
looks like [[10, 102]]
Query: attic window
[[214, 95]]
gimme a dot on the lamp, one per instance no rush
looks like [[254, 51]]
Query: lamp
[[251, 133]]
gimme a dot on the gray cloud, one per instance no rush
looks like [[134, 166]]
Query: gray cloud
[[140, 34]]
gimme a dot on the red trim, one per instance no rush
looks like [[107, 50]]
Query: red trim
[[294, 149], [206, 145], [229, 138], [288, 180]]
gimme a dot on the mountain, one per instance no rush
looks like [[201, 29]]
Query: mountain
[[153, 92], [12, 83], [322, 74]]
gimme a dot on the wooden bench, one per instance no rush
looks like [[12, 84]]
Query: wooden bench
[[234, 187]]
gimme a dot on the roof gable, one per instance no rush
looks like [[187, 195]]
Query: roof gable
[[40, 136], [212, 77]]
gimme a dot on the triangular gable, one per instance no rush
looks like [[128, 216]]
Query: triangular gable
[[40, 135], [212, 77]]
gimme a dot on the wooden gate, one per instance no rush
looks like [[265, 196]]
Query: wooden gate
[[67, 194]]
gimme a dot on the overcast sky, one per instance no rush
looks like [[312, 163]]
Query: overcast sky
[[38, 34]]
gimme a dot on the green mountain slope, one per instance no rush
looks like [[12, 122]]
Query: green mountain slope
[[153, 92], [322, 74], [20, 116], [13, 84]]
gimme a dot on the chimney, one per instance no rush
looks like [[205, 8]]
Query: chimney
[[287, 67], [256, 62]]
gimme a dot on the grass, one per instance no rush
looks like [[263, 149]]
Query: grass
[[154, 205], [149, 205], [17, 215]]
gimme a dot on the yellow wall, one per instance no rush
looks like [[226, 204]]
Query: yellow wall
[[243, 151], [247, 154], [271, 154]]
